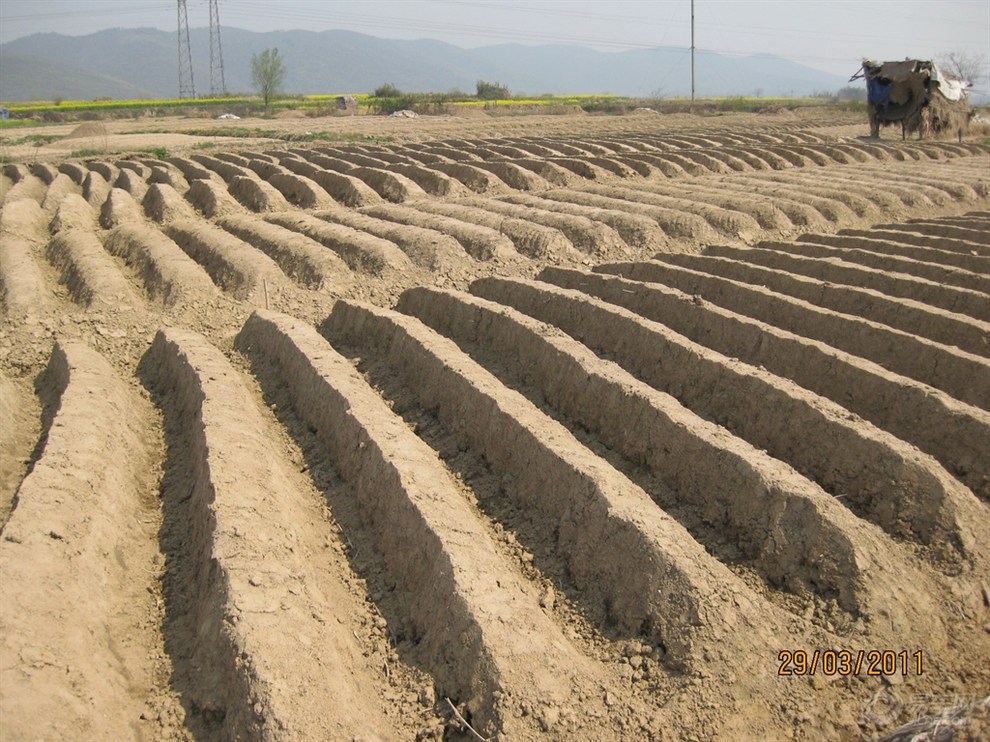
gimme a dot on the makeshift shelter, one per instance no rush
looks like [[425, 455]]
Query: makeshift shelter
[[917, 95]]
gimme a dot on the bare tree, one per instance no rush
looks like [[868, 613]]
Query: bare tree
[[965, 66], [267, 73]]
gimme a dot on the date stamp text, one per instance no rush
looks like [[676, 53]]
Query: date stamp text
[[844, 662]]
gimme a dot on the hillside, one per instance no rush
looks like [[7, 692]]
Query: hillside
[[127, 63], [28, 77]]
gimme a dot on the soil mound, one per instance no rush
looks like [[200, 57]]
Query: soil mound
[[89, 129]]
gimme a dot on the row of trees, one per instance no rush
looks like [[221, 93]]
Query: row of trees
[[485, 91], [268, 72], [388, 98]]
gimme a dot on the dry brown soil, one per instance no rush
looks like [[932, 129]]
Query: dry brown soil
[[572, 427]]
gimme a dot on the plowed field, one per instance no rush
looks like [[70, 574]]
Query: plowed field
[[619, 434]]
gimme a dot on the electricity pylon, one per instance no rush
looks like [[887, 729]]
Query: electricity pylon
[[187, 86], [217, 84]]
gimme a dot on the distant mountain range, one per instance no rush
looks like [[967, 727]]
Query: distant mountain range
[[143, 63]]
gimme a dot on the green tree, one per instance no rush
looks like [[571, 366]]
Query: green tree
[[387, 90], [268, 74], [492, 91]]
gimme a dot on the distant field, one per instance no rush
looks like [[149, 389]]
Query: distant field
[[34, 108], [322, 104]]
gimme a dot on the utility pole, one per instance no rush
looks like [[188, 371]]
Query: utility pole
[[692, 54], [187, 87], [217, 84]]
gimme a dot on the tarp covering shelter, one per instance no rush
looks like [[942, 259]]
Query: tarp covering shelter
[[914, 93]]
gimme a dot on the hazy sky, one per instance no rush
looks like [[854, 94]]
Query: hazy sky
[[831, 35]]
